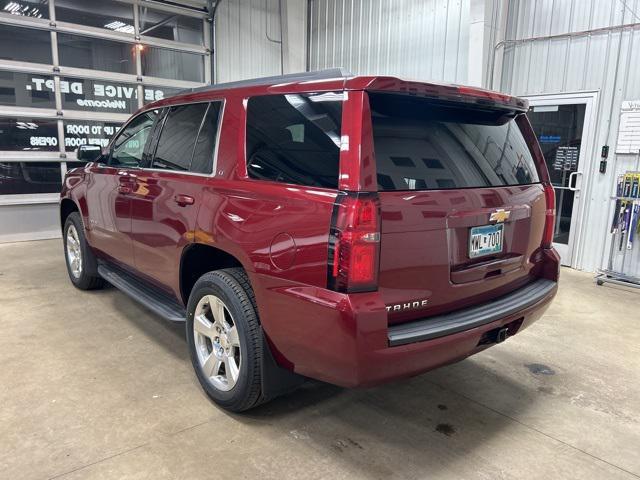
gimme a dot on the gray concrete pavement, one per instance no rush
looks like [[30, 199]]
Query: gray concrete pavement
[[92, 386]]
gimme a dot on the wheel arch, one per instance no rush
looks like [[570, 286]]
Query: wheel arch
[[67, 207], [200, 258]]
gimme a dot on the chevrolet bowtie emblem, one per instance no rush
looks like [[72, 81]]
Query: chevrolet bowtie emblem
[[500, 215]]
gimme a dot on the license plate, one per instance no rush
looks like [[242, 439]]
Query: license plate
[[485, 240]]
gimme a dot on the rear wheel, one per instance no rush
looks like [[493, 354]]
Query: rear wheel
[[81, 262], [225, 338]]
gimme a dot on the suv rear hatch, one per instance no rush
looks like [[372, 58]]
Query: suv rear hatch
[[462, 204]]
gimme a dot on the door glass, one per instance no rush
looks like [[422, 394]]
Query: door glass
[[202, 161], [559, 132], [129, 146], [178, 136]]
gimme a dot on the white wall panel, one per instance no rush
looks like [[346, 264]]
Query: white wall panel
[[425, 39], [580, 63], [247, 39]]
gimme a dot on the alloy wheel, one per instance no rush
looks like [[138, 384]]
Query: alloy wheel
[[217, 342], [74, 252]]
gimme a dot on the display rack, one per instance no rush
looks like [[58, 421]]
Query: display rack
[[627, 196]]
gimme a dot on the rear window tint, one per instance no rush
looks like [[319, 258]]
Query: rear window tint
[[427, 145], [295, 138]]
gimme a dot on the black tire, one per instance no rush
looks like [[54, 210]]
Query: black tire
[[88, 279], [231, 285]]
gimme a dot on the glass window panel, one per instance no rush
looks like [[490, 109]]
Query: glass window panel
[[170, 26], [151, 94], [19, 178], [26, 8], [295, 138], [96, 54], [160, 62], [25, 44], [22, 133], [421, 145], [178, 136], [109, 14], [85, 132], [26, 90], [128, 148], [98, 95], [205, 145]]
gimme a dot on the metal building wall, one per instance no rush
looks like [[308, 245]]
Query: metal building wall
[[248, 39], [424, 39], [606, 61]]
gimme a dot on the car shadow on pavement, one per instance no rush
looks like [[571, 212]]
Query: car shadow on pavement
[[402, 429], [420, 424]]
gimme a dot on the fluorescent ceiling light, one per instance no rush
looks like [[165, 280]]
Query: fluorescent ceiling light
[[16, 8], [118, 26]]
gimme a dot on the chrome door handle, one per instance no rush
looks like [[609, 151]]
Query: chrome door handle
[[183, 200], [573, 176]]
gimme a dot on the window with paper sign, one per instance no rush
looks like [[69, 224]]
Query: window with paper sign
[[26, 133], [85, 132]]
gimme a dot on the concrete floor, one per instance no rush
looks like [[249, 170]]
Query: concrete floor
[[93, 386]]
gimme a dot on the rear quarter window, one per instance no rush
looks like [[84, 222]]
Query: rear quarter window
[[295, 138], [423, 144]]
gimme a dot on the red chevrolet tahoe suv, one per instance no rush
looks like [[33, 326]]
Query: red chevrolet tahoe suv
[[352, 229]]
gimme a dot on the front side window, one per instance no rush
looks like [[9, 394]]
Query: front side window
[[128, 147], [421, 144], [295, 138]]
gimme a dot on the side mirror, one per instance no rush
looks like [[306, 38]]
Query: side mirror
[[88, 153]]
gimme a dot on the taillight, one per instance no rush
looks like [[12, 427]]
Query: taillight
[[354, 243], [550, 216]]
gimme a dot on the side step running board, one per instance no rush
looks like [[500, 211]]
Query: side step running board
[[149, 297]]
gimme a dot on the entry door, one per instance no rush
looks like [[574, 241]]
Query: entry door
[[560, 125], [109, 207]]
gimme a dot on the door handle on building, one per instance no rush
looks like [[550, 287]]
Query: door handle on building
[[183, 200], [573, 182]]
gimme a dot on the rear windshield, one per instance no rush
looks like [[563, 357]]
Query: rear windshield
[[423, 144]]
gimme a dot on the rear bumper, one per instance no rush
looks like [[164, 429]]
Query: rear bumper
[[346, 339], [468, 318]]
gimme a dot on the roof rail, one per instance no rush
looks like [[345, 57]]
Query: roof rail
[[291, 77]]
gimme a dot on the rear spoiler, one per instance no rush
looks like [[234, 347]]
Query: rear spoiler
[[452, 93]]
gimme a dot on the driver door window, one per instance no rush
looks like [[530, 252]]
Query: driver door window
[[128, 148]]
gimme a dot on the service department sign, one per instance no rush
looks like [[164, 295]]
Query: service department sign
[[97, 95]]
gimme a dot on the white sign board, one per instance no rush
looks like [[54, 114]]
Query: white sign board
[[629, 131]]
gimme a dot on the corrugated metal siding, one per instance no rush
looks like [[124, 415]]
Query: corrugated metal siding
[[245, 34], [424, 39], [581, 63]]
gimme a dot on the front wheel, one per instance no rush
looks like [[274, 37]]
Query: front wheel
[[82, 265], [225, 338]]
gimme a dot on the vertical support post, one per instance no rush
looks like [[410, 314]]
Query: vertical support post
[[487, 24]]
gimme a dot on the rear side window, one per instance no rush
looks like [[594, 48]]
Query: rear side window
[[178, 136], [295, 138], [423, 144], [203, 150]]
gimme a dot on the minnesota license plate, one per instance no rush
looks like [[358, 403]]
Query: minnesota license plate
[[485, 240]]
